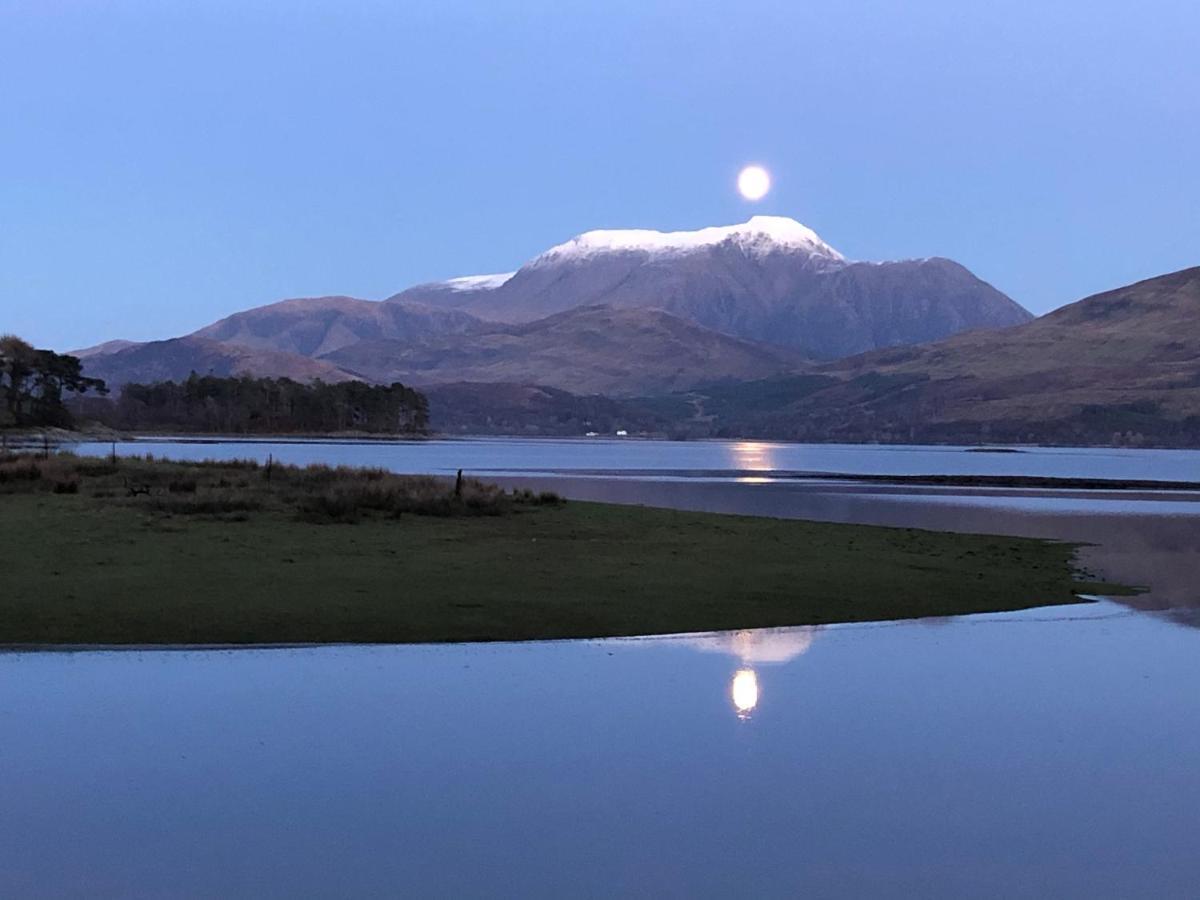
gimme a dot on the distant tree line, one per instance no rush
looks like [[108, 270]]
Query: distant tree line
[[245, 405], [32, 383], [527, 410]]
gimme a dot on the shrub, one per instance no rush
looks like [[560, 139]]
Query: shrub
[[20, 469], [345, 498], [317, 493], [320, 475], [28, 473]]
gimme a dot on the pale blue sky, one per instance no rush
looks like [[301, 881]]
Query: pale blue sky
[[167, 163]]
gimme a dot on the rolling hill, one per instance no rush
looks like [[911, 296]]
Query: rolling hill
[[314, 326], [592, 350], [1118, 367], [175, 359]]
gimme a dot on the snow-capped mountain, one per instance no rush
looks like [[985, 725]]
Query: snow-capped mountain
[[761, 236], [741, 302], [770, 279]]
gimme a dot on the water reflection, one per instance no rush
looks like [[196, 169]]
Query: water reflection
[[752, 456], [755, 646], [744, 692], [758, 645], [402, 771]]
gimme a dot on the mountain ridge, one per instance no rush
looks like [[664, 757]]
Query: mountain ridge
[[1118, 367], [313, 326], [770, 279], [1121, 366], [175, 359], [590, 350]]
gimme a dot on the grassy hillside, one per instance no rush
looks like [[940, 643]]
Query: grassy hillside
[[1119, 367], [176, 359]]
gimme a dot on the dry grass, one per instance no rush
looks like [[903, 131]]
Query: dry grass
[[20, 473], [317, 493]]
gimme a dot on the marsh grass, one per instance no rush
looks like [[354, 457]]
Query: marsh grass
[[317, 494], [20, 473]]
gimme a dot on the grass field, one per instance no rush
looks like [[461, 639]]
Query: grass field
[[146, 552]]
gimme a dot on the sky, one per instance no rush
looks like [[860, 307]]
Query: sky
[[166, 164]]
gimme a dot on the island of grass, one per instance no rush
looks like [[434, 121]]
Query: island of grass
[[142, 551]]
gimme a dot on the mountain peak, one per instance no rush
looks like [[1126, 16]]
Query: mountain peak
[[758, 236], [783, 229]]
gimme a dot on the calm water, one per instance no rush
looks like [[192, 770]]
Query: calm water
[[1045, 753], [676, 459]]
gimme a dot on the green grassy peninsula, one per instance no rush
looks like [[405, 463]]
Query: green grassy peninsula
[[140, 551]]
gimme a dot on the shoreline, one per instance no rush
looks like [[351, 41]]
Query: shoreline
[[1085, 601], [791, 476], [83, 434]]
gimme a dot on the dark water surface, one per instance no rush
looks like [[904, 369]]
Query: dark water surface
[[1051, 752]]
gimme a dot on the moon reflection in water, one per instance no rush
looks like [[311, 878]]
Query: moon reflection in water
[[751, 646], [744, 692]]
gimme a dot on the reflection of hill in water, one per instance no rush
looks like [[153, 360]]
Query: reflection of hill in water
[[758, 645]]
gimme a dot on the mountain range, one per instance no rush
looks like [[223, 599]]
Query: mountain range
[[733, 302], [758, 329]]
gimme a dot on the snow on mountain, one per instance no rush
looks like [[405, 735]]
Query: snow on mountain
[[760, 236], [477, 282], [770, 279]]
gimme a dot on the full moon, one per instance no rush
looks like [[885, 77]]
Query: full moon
[[754, 182]]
